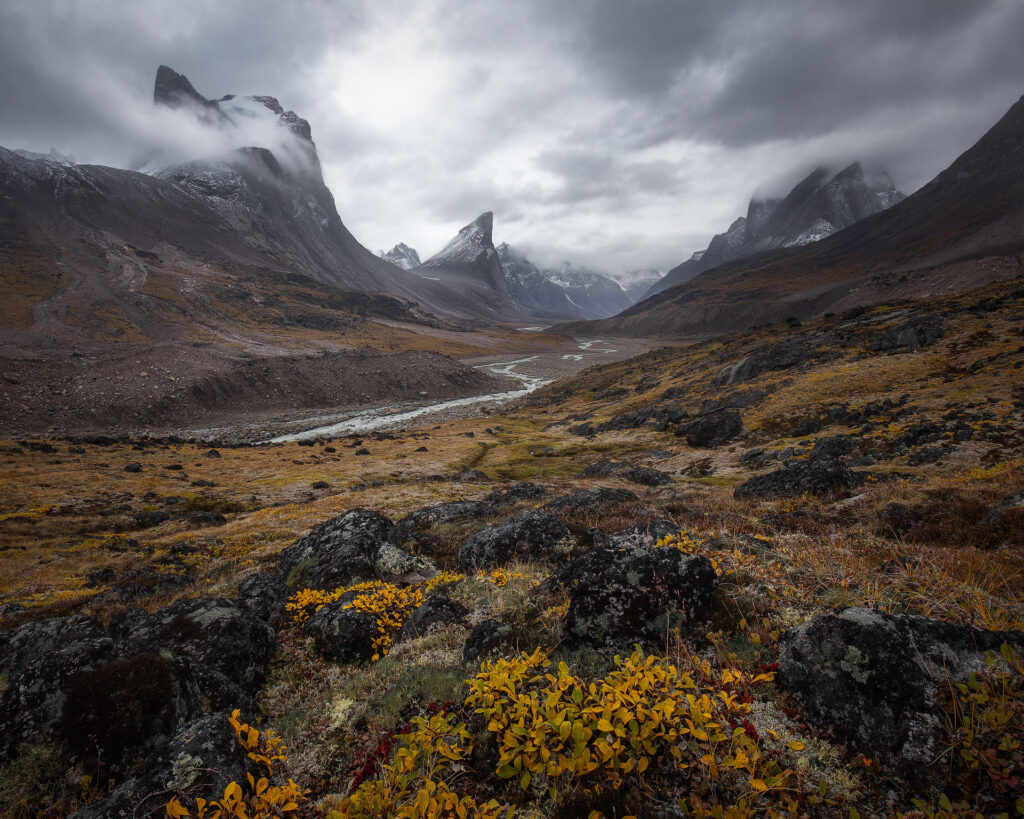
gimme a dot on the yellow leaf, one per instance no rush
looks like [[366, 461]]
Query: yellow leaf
[[797, 746]]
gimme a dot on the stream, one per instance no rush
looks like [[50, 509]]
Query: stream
[[391, 416]]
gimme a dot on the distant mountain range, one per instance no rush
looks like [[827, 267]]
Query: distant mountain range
[[564, 292], [817, 207], [963, 229]]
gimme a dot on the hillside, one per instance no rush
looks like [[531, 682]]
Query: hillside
[[811, 533], [963, 229]]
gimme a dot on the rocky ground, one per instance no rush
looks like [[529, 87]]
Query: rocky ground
[[775, 574]]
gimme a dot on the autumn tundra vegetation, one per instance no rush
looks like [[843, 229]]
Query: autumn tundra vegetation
[[777, 573]]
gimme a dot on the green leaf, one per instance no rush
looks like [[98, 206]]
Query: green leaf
[[944, 803], [506, 772], [524, 781]]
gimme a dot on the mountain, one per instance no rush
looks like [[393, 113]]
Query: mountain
[[818, 206], [401, 255], [636, 283], [962, 230], [564, 292]]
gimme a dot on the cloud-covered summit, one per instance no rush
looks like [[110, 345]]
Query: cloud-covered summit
[[621, 135]]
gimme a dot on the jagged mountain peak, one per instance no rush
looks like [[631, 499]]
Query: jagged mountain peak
[[402, 255], [819, 205], [172, 88], [472, 245]]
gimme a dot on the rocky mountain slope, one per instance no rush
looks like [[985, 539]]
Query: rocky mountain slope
[[806, 540], [401, 255], [963, 229], [564, 292], [816, 207]]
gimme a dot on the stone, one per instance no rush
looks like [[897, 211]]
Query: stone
[[624, 595], [630, 472], [874, 680], [263, 596], [338, 552], [588, 501], [821, 476], [486, 638], [343, 634], [529, 535], [712, 430]]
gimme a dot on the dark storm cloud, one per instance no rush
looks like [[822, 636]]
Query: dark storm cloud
[[617, 134]]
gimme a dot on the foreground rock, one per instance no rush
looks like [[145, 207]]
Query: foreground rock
[[821, 475], [114, 694], [875, 679], [712, 430], [342, 633], [588, 501], [420, 521], [621, 596], [435, 612], [202, 758], [338, 552], [630, 472], [529, 535]]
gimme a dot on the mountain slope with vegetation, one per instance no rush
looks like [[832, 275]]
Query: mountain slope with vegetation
[[777, 573]]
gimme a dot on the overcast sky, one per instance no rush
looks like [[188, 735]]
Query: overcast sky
[[615, 133]]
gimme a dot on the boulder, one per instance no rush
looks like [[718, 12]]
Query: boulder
[[517, 492], [215, 632], [782, 355], [588, 501], [712, 430], [486, 638], [643, 534], [433, 612], [874, 680], [824, 475], [427, 517], [263, 596], [624, 595], [343, 634], [397, 565], [338, 552], [630, 472], [910, 336], [201, 759], [528, 535]]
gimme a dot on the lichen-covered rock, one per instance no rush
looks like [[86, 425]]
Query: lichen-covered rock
[[486, 638], [215, 632], [643, 534], [343, 634], [522, 491], [529, 535], [823, 475], [624, 595], [629, 472], [588, 501], [433, 612], [202, 759], [712, 430], [397, 565], [875, 679], [263, 596], [427, 517], [338, 552], [911, 335], [782, 355], [34, 641]]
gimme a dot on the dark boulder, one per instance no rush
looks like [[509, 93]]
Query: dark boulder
[[213, 631], [427, 517], [875, 679], [433, 612], [643, 534], [517, 492], [712, 430], [621, 596], [669, 415], [626, 420], [588, 501], [779, 356], [201, 759], [151, 517], [338, 552], [910, 336], [346, 635], [487, 638], [263, 596], [528, 535], [834, 446], [630, 472], [29, 644], [817, 476], [737, 400], [207, 519]]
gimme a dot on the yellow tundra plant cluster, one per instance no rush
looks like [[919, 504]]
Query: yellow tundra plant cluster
[[417, 783], [390, 604], [261, 800], [554, 726]]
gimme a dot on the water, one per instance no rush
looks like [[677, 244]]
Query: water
[[392, 416]]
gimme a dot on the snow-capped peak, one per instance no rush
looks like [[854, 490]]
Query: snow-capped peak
[[402, 255]]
